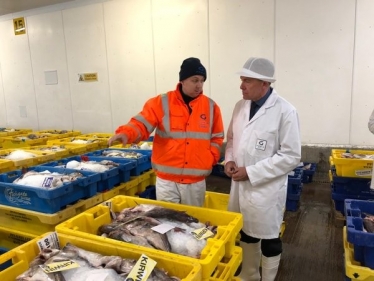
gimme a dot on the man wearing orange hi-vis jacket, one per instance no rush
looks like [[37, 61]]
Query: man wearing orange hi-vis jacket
[[188, 138]]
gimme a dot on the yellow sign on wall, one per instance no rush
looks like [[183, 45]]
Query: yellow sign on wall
[[19, 26], [87, 77]]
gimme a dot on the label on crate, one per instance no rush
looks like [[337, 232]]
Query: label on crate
[[49, 242], [109, 205], [47, 182], [59, 266], [363, 173], [202, 233], [142, 269]]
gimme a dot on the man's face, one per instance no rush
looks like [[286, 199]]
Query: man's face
[[253, 89], [193, 86]]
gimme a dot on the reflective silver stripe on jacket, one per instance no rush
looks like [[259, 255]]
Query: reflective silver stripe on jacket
[[141, 119], [138, 137], [181, 135], [181, 171]]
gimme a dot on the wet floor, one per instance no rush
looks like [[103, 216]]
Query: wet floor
[[312, 244]]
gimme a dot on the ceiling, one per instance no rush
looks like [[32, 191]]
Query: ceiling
[[14, 6]]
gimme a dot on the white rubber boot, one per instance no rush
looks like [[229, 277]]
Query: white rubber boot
[[251, 261], [270, 267]]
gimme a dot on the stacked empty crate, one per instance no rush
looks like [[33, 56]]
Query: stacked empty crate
[[358, 240], [350, 176]]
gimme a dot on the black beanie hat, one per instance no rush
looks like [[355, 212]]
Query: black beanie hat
[[191, 67]]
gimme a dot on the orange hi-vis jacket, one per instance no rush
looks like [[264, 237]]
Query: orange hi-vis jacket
[[185, 146]]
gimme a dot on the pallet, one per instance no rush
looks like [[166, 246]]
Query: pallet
[[339, 219]]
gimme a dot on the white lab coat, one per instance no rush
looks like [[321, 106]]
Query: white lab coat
[[269, 147]]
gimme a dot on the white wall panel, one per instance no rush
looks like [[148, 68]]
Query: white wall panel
[[3, 121], [17, 77], [180, 30], [86, 53], [128, 29], [47, 48], [314, 61], [238, 30], [363, 96]]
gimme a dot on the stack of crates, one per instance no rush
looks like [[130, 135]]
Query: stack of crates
[[7, 132], [219, 259], [358, 241], [350, 177], [294, 188]]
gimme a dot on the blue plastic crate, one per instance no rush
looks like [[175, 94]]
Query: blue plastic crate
[[43, 200], [6, 264], [292, 202], [363, 242], [353, 186], [308, 174], [340, 198], [149, 193], [109, 178], [294, 185], [143, 163]]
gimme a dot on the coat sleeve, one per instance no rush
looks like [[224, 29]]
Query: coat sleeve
[[371, 122], [285, 159], [229, 151], [142, 125], [218, 134]]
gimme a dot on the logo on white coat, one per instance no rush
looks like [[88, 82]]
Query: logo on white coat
[[261, 144]]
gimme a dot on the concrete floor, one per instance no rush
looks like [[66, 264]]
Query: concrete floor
[[312, 244]]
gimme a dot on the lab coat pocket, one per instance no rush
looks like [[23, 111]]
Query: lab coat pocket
[[262, 144]]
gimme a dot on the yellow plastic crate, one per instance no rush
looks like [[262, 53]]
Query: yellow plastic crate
[[6, 165], [11, 238], [59, 151], [38, 223], [91, 145], [353, 269], [60, 133], [23, 255], [18, 163], [86, 225], [132, 188], [98, 135], [346, 167], [20, 141], [216, 200], [12, 132], [228, 266], [146, 179], [123, 189], [40, 157]]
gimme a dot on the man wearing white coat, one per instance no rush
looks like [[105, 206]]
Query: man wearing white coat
[[263, 146]]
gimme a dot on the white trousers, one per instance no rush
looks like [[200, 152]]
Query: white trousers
[[189, 194]]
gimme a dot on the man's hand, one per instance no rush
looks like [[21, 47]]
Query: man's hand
[[118, 137], [240, 174], [230, 168]]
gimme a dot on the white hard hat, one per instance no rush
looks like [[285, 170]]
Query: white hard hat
[[258, 68]]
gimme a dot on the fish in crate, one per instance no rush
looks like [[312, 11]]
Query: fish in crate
[[135, 225], [82, 264]]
